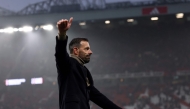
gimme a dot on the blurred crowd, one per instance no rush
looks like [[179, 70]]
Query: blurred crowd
[[166, 95], [174, 94]]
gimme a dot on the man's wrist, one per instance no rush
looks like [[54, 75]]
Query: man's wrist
[[62, 36]]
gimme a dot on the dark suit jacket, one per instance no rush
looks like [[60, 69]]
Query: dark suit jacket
[[73, 90]]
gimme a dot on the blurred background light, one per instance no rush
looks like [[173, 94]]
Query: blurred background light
[[107, 22], [37, 80], [47, 27], [154, 18], [12, 82], [82, 23], [179, 15]]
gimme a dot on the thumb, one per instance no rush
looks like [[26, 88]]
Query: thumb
[[70, 20]]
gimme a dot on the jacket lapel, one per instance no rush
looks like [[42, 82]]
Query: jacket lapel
[[89, 77], [82, 73]]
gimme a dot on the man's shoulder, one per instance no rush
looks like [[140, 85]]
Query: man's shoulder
[[73, 61]]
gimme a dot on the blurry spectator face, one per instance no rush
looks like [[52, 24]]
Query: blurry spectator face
[[84, 51]]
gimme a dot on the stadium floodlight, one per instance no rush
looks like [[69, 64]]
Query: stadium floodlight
[[130, 20], [107, 22], [27, 28], [20, 29], [37, 80], [1, 30], [179, 15], [8, 30], [11, 82], [82, 23], [15, 29], [154, 18], [47, 27]]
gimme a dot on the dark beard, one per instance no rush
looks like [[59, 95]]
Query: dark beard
[[86, 60]]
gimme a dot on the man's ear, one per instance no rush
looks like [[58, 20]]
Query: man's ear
[[75, 51]]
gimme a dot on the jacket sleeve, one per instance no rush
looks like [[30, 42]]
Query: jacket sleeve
[[101, 100], [61, 55]]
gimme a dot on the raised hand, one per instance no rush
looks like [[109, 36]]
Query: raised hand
[[63, 25]]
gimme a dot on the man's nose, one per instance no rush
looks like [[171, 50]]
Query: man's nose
[[90, 52]]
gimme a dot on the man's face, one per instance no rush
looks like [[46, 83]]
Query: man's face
[[84, 51]]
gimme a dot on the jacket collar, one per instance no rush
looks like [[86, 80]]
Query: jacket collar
[[78, 59]]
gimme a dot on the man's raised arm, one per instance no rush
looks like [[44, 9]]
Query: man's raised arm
[[61, 55]]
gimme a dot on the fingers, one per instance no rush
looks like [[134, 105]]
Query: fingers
[[65, 21], [70, 20], [62, 23]]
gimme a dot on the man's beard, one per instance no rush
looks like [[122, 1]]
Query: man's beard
[[86, 59]]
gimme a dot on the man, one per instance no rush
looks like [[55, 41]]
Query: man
[[75, 82]]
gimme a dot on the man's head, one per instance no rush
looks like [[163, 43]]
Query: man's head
[[80, 48]]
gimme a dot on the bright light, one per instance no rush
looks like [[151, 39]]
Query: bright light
[[37, 80], [47, 27], [107, 22], [154, 18], [179, 15], [130, 20], [82, 23], [11, 82], [27, 28], [1, 30], [20, 29], [8, 30], [15, 29]]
